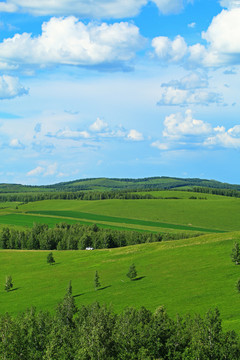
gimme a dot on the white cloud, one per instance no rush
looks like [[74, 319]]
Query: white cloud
[[8, 7], [223, 36], [167, 50], [230, 4], [177, 126], [44, 170], [191, 81], [16, 144], [160, 145], [223, 138], [178, 97], [69, 41], [222, 43], [10, 87], [135, 135], [70, 134], [50, 170], [37, 171], [188, 90], [93, 8], [192, 25], [98, 125], [169, 6]]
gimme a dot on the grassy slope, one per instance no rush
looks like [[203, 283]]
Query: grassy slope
[[184, 276], [210, 214], [109, 183]]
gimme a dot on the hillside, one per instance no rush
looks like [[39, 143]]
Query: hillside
[[162, 182], [187, 276]]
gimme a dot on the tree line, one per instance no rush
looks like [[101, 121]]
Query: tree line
[[95, 332], [64, 236], [222, 192], [74, 195]]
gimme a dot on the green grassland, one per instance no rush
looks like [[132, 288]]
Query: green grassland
[[207, 214], [188, 276], [212, 213]]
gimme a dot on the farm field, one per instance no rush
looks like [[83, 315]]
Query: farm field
[[187, 276], [213, 214]]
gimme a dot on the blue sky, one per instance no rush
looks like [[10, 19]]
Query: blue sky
[[119, 88]]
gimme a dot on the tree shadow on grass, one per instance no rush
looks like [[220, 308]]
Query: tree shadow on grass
[[139, 278], [78, 295], [105, 287]]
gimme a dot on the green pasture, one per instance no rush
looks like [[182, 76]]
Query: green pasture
[[187, 276], [22, 221], [212, 215]]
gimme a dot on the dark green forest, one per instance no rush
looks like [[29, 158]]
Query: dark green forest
[[95, 332], [77, 237]]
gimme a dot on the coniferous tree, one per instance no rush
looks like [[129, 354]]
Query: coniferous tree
[[50, 259], [8, 283], [235, 255], [96, 281], [132, 272]]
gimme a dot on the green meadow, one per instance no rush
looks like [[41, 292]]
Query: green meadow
[[186, 276], [216, 213]]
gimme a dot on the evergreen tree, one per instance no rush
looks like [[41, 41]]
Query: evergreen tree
[[235, 255], [67, 308], [50, 259], [132, 272], [8, 284], [96, 281]]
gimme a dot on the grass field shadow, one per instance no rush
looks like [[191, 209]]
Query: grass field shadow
[[139, 278], [105, 287], [78, 295], [16, 289]]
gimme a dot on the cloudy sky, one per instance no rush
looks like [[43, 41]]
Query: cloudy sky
[[119, 88]]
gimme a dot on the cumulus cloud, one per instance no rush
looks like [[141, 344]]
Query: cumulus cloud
[[222, 46], [167, 50], [93, 8], [188, 90], [98, 125], [183, 131], [16, 144], [177, 97], [69, 41], [135, 135], [191, 81], [178, 125], [10, 87], [224, 138]]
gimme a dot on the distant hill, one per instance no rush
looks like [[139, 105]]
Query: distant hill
[[101, 184]]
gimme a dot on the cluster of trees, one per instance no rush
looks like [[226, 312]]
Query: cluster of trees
[[73, 237], [96, 332], [74, 195], [222, 192]]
